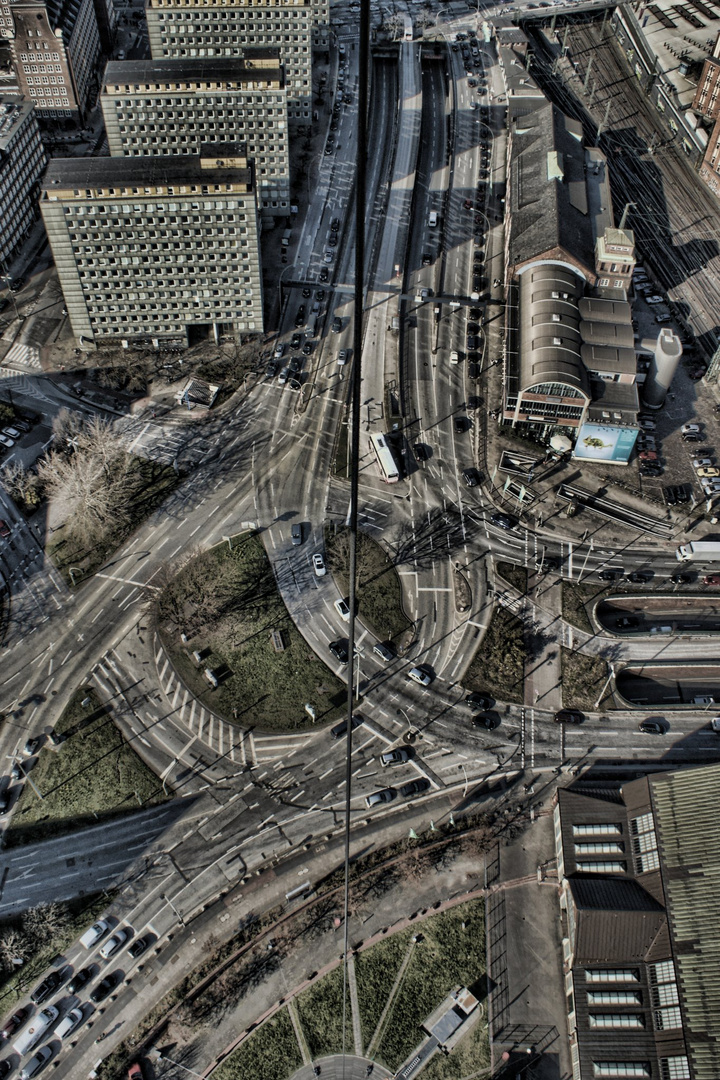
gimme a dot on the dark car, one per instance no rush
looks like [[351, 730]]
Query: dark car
[[503, 521], [670, 496], [296, 341], [31, 745], [324, 274], [307, 293], [105, 987], [471, 477], [478, 701], [414, 788], [335, 224], [300, 317], [15, 1022], [4, 529], [336, 325], [21, 425], [651, 727], [568, 716], [692, 436], [651, 470], [341, 729], [80, 979], [460, 424], [46, 988], [307, 348], [6, 1067], [627, 622], [340, 651], [420, 451], [641, 577], [610, 575], [489, 723], [295, 365], [139, 945], [681, 579], [426, 258], [271, 370], [320, 294]]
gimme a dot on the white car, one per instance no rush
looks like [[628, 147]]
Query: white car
[[279, 350], [4, 441], [454, 357], [688, 429], [114, 943], [318, 565], [342, 357], [701, 463], [420, 675], [654, 299], [341, 606], [11, 432], [68, 1024], [715, 724]]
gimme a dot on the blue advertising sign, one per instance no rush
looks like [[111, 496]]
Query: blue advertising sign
[[604, 442]]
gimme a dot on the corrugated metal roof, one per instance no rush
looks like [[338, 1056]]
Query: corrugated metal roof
[[685, 806]]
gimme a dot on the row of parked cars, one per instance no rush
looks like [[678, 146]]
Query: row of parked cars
[[26, 1035]]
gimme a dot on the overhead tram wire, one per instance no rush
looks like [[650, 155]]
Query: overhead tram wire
[[360, 212]]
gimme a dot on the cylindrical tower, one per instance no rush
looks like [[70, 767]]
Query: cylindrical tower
[[666, 351]]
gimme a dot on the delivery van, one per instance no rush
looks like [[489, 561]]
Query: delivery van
[[33, 1033]]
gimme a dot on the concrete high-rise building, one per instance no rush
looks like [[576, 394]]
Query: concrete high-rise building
[[56, 52], [191, 29], [175, 106], [22, 163], [156, 250]]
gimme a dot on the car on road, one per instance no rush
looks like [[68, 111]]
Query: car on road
[[36, 1063], [426, 258], [454, 357], [47, 987], [279, 350], [420, 451], [342, 357], [283, 376], [31, 746], [4, 529], [569, 716], [478, 701], [385, 795], [627, 622], [307, 348], [307, 292], [471, 477], [296, 341], [715, 725], [139, 945], [324, 275], [296, 534], [335, 224], [6, 1067], [341, 729], [318, 565], [328, 257], [651, 727], [610, 575], [384, 651], [336, 325], [300, 317], [415, 787], [343, 609], [114, 943], [681, 579], [15, 1022], [503, 521], [339, 650], [69, 1023], [80, 979], [398, 756], [105, 987], [690, 429], [484, 720], [271, 370], [640, 577], [460, 424], [711, 579], [420, 674]]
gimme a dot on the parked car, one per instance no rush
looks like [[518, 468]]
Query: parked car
[[690, 429], [701, 462], [627, 622], [650, 468], [398, 756], [708, 470], [32, 745], [692, 437], [384, 651], [11, 432], [271, 370], [296, 341], [420, 675], [415, 787], [460, 424], [711, 579], [4, 529], [654, 299], [648, 455], [385, 795], [4, 441]]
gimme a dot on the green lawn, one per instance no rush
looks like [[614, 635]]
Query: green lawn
[[498, 666], [469, 1058], [379, 593], [574, 599], [149, 483], [320, 1010], [227, 603], [516, 575], [583, 679], [94, 774], [271, 1053], [375, 971], [448, 955]]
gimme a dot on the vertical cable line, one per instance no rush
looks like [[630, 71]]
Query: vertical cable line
[[354, 421]]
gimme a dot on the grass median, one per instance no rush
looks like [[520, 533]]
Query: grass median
[[226, 604], [498, 667], [379, 592], [272, 1053], [584, 679], [94, 774]]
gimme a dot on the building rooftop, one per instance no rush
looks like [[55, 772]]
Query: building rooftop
[[549, 328], [141, 74], [13, 112], [549, 211], [98, 175], [682, 37]]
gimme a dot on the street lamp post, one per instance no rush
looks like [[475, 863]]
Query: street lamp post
[[177, 1064], [72, 570], [605, 686], [165, 897]]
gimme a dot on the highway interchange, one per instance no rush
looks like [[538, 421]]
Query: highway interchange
[[245, 798]]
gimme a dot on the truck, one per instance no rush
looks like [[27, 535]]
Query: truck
[[699, 551], [33, 1033], [311, 326], [285, 242]]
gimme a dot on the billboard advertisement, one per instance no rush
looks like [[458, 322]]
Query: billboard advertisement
[[604, 442]]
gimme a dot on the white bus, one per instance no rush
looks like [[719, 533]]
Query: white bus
[[389, 471], [408, 35]]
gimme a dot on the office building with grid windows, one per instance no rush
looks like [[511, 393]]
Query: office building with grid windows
[[22, 163], [175, 106], [156, 251], [56, 52], [192, 29]]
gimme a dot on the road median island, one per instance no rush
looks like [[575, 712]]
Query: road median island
[[584, 680], [92, 775], [517, 576], [379, 592], [498, 666], [220, 617]]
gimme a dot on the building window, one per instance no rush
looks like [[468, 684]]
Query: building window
[[622, 1068], [600, 829], [614, 997], [675, 1068], [608, 975], [616, 1020]]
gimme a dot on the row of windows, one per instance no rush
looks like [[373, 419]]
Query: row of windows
[[34, 69], [45, 80], [40, 45], [625, 1069], [208, 101], [608, 975], [599, 829]]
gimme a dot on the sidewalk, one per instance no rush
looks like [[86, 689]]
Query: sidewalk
[[543, 665]]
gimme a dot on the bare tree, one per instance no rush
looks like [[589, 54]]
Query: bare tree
[[21, 485], [66, 427], [13, 947], [43, 923]]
